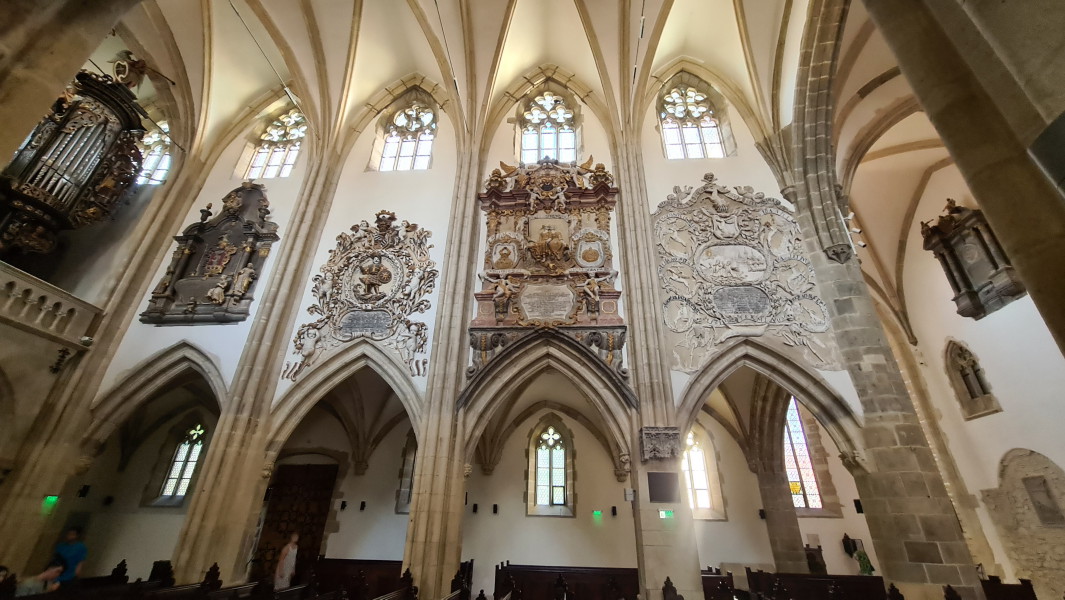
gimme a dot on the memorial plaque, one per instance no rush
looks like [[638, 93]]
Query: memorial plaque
[[364, 321], [741, 300], [547, 302]]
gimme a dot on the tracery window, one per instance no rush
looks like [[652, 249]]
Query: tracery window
[[548, 130], [183, 465], [408, 142], [969, 383], [155, 148], [550, 474], [797, 462], [279, 147], [689, 127], [695, 475]]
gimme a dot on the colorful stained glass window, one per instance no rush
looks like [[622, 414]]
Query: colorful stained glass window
[[696, 475], [550, 469], [548, 130], [183, 465], [797, 462]]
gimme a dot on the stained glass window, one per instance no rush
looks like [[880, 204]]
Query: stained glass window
[[689, 129], [279, 147], [797, 462], [409, 138], [696, 476], [550, 469], [155, 150], [184, 463], [548, 130]]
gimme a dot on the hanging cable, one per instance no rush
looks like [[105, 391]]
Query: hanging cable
[[284, 86], [451, 65]]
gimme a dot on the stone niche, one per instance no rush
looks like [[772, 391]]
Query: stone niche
[[213, 270], [548, 260], [975, 264]]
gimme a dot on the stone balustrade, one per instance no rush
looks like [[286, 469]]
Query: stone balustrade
[[42, 309]]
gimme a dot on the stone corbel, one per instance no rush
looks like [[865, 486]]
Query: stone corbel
[[622, 467], [659, 443], [827, 210], [856, 462]]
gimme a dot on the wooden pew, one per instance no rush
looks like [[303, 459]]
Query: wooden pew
[[803, 586], [718, 586], [361, 579], [994, 589], [580, 583]]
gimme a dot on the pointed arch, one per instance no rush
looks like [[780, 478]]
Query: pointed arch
[[293, 406], [497, 386], [881, 123], [366, 118], [814, 393], [147, 380], [718, 81], [530, 82]]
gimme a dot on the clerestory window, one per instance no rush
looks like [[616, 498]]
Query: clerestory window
[[155, 148], [279, 147], [408, 141], [689, 127], [548, 130]]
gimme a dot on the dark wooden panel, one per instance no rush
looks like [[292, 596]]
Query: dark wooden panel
[[801, 586], [583, 583]]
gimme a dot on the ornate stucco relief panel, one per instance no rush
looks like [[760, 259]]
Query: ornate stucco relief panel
[[730, 264]]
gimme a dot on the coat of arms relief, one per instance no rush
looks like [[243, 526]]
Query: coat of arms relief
[[731, 264], [375, 280], [548, 259]]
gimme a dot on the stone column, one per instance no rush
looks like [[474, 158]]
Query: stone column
[[781, 520], [912, 521], [665, 541], [1025, 209], [43, 43]]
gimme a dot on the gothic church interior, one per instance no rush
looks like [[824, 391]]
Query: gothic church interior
[[719, 291]]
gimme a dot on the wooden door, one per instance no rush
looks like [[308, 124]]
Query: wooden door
[[298, 500]]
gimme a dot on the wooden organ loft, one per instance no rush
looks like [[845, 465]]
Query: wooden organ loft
[[73, 167]]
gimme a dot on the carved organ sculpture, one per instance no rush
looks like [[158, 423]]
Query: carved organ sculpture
[[548, 260], [376, 278], [213, 270], [73, 168], [975, 264], [731, 264]]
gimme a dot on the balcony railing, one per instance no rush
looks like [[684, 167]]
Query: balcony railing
[[42, 309]]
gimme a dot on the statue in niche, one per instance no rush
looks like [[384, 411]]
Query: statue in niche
[[589, 290], [503, 291], [217, 294], [212, 272], [243, 280], [374, 275], [550, 249]]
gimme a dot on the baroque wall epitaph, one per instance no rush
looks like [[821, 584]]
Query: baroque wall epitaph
[[548, 260], [213, 271], [376, 278], [731, 264]]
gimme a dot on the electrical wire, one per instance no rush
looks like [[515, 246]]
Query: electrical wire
[[450, 63]]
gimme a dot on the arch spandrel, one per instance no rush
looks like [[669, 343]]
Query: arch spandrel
[[816, 395], [496, 387]]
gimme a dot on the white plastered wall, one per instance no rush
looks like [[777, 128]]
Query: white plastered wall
[[224, 343], [1021, 362], [584, 540]]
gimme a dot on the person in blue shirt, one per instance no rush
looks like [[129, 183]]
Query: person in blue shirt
[[72, 552]]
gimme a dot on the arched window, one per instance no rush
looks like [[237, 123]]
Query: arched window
[[700, 478], [279, 147], [408, 142], [797, 461], [548, 130], [183, 465], [970, 386], [405, 493], [155, 148], [689, 127], [551, 469]]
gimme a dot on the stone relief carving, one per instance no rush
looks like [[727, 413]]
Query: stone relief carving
[[212, 272], [659, 442], [548, 260], [730, 264], [376, 278]]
